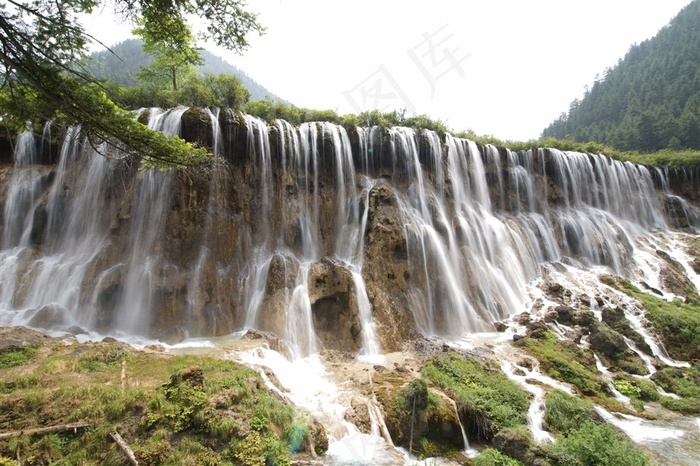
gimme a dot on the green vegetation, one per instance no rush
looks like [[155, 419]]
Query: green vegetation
[[491, 457], [564, 413], [123, 61], [487, 399], [582, 438], [16, 357], [569, 363], [650, 100], [598, 444], [677, 323], [43, 43], [170, 409]]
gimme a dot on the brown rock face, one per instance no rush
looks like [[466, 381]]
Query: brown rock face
[[333, 298], [386, 269]]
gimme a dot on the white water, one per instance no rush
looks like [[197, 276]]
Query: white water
[[480, 226], [469, 451]]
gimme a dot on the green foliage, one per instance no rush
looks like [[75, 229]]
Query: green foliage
[[626, 388], [568, 363], [598, 444], [650, 100], [16, 357], [684, 382], [677, 323], [100, 357], [259, 450], [196, 418], [42, 43], [490, 399], [175, 55], [5, 461], [491, 457], [564, 412]]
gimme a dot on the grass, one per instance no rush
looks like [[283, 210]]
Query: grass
[[598, 444], [488, 400], [16, 357], [568, 363], [582, 438], [171, 410], [675, 322]]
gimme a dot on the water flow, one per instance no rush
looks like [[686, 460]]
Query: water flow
[[469, 451], [146, 225]]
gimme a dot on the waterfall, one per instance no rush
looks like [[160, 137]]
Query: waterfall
[[94, 243], [471, 452]]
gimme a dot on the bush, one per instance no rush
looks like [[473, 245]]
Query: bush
[[564, 412], [598, 444], [492, 402], [491, 457]]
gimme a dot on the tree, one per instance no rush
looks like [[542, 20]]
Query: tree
[[42, 43], [174, 57]]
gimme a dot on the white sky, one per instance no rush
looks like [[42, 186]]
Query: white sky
[[502, 67]]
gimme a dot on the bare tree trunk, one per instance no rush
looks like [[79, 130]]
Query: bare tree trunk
[[124, 447], [44, 430]]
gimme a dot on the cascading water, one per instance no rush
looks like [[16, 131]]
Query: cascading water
[[478, 223], [280, 229]]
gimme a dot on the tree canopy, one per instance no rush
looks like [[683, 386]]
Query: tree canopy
[[650, 100], [43, 43]]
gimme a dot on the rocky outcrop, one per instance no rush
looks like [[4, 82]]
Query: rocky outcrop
[[333, 298]]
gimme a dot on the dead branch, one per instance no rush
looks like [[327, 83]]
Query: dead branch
[[44, 430], [124, 447]]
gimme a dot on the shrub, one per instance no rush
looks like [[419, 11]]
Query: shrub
[[490, 400], [564, 412], [491, 457], [598, 444]]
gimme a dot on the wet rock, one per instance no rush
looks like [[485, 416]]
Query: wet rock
[[564, 314], [536, 329], [109, 340], [174, 335], [75, 330], [551, 316], [648, 287], [272, 340], [49, 317], [583, 318], [500, 327], [606, 341], [334, 307], [316, 443], [673, 277], [358, 414], [523, 318], [616, 320], [519, 340], [514, 443]]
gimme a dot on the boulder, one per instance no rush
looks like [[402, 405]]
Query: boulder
[[49, 317], [334, 307]]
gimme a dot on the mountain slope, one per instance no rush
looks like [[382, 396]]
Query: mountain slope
[[650, 100], [126, 58]]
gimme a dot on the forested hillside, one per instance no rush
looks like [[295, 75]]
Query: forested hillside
[[650, 100], [128, 58]]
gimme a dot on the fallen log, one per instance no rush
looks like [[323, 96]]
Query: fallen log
[[124, 447], [44, 430]]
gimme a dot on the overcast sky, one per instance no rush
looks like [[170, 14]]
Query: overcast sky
[[503, 67]]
